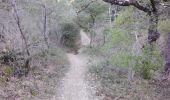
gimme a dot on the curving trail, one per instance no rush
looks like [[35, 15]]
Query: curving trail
[[74, 84]]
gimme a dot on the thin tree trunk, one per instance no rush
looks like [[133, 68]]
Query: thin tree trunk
[[16, 15], [45, 27], [167, 56], [91, 28], [17, 18], [153, 33]]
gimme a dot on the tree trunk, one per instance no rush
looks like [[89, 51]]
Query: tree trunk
[[153, 33], [91, 29], [45, 27], [167, 56], [17, 18]]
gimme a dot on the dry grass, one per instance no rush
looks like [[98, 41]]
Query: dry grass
[[115, 85], [41, 82]]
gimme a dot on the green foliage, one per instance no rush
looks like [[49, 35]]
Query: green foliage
[[70, 29], [96, 9], [55, 53], [83, 21], [8, 71], [146, 63], [120, 37], [121, 59], [121, 40], [163, 26], [93, 12], [124, 17], [2, 79], [34, 92], [115, 83], [121, 51], [150, 60], [70, 32]]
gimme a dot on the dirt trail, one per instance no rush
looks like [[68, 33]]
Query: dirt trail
[[74, 84], [85, 40]]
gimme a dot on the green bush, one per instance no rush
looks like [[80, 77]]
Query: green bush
[[8, 70], [122, 59], [83, 21], [146, 63], [124, 17], [70, 33], [163, 26], [149, 61], [119, 48]]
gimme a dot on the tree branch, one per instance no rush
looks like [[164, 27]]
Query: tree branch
[[129, 3], [85, 6], [17, 19], [153, 5]]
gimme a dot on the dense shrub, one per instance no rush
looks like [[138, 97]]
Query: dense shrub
[[70, 35], [147, 63], [15, 63], [123, 50]]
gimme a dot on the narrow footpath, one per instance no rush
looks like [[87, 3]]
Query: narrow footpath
[[74, 85]]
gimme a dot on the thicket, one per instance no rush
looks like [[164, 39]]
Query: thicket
[[70, 35], [126, 45], [32, 25]]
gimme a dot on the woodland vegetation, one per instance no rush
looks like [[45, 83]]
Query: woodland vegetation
[[129, 47]]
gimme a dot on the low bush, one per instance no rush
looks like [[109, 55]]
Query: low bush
[[149, 61], [15, 63], [70, 35]]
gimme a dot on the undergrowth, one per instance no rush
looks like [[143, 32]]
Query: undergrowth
[[42, 82]]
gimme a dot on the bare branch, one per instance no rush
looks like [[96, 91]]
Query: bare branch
[[17, 18], [153, 5], [45, 26], [2, 37]]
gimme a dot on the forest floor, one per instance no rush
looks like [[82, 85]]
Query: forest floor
[[54, 78], [79, 79]]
